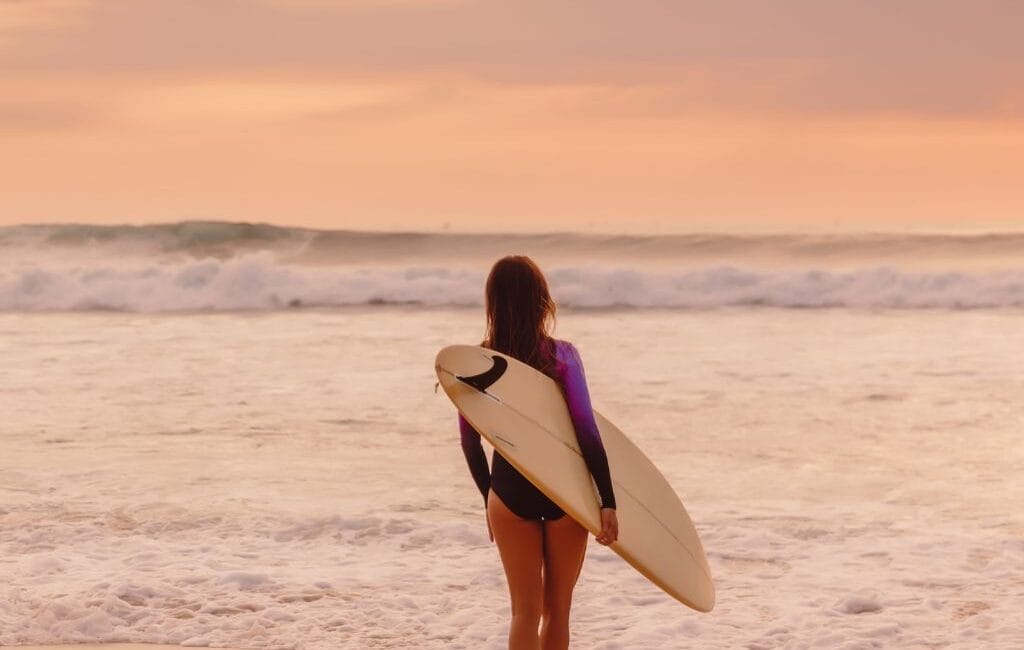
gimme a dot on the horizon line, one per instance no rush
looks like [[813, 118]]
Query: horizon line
[[444, 229]]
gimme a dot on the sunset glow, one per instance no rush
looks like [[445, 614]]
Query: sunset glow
[[488, 116]]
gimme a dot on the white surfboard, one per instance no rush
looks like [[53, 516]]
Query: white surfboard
[[522, 412]]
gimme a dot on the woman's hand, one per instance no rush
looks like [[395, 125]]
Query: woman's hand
[[609, 526]]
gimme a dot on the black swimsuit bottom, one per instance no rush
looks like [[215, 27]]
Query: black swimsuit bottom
[[515, 490]]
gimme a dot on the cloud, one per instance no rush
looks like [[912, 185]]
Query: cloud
[[805, 56], [212, 100], [21, 18], [19, 116], [333, 5]]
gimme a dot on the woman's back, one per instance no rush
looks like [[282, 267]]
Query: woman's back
[[521, 496]]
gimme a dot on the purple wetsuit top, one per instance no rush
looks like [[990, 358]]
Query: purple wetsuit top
[[521, 496]]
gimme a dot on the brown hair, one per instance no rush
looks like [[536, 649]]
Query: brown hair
[[520, 313]]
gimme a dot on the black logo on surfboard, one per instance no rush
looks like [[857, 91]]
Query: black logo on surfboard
[[482, 381]]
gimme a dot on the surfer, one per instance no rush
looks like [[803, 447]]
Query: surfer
[[541, 549]]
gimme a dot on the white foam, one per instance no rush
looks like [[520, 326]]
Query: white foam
[[859, 603], [257, 281], [314, 495]]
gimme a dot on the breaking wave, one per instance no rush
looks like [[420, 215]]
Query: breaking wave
[[260, 281]]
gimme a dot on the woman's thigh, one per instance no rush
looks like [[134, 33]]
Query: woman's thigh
[[521, 547], [565, 545]]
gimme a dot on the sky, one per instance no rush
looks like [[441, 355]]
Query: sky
[[477, 115]]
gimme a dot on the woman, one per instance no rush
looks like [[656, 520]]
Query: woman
[[541, 549]]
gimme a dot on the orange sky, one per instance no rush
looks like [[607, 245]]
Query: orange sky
[[525, 115]]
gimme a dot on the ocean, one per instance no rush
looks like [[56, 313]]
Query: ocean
[[228, 434], [213, 266]]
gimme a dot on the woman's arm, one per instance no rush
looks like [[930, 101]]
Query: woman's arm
[[475, 456], [577, 398]]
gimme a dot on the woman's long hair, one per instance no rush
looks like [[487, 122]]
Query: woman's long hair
[[520, 313]]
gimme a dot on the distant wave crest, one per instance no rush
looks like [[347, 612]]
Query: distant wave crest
[[200, 239], [259, 281]]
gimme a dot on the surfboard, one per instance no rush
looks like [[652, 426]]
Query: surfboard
[[523, 414]]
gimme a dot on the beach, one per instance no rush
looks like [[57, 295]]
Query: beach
[[291, 479], [103, 646], [786, 240]]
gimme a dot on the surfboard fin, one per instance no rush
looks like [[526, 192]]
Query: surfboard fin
[[482, 381]]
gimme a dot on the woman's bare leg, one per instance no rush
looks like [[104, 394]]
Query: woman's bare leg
[[521, 546], [565, 543]]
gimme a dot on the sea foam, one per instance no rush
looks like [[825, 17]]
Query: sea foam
[[258, 281], [219, 266]]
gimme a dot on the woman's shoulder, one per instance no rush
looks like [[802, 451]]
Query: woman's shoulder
[[564, 350]]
